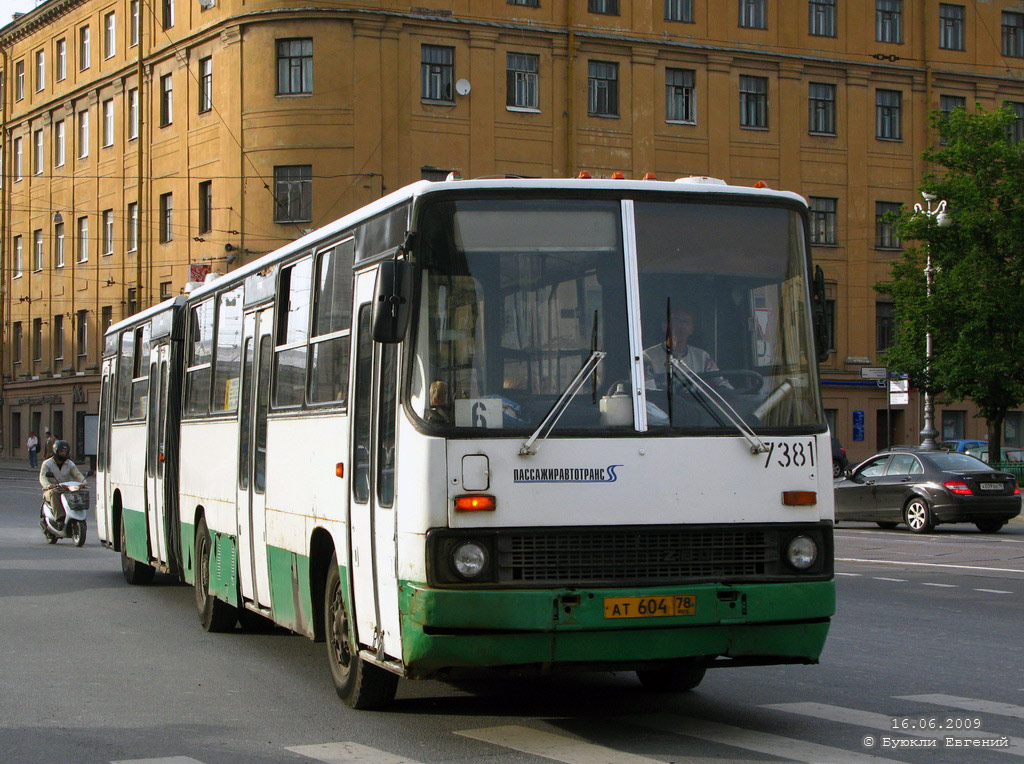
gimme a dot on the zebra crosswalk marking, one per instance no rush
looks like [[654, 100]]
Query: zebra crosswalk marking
[[969, 704], [752, 740], [883, 723], [349, 753], [551, 746]]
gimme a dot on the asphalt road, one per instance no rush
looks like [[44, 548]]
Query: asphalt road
[[929, 633]]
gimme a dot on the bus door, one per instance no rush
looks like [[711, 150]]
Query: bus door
[[373, 411], [103, 457], [253, 405], [156, 448]]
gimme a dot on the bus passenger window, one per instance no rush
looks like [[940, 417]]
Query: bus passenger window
[[328, 367], [227, 361], [292, 334], [200, 355]]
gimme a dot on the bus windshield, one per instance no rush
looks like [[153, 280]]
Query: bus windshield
[[517, 295]]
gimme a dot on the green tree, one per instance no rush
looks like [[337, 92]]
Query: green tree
[[975, 308]]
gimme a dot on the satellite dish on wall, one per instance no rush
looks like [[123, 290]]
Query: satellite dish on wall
[[462, 87]]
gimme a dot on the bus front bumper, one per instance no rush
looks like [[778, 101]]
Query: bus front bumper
[[544, 630]]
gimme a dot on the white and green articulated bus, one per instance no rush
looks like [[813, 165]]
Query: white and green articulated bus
[[515, 425]]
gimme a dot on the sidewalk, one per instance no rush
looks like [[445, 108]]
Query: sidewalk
[[18, 464]]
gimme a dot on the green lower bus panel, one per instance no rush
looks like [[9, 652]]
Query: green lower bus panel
[[136, 534]]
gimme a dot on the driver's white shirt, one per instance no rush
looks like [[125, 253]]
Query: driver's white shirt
[[693, 358]]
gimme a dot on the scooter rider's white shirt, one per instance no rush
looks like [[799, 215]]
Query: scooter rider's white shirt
[[51, 471]]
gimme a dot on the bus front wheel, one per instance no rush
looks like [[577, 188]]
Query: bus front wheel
[[214, 614], [358, 683], [677, 678]]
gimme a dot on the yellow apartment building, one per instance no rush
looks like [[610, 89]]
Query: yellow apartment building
[[147, 143]]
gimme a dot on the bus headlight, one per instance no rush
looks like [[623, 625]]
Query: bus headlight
[[469, 559], [801, 552]]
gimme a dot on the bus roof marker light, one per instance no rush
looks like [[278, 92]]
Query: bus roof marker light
[[760, 184], [618, 175], [584, 175], [800, 498], [475, 503], [650, 176]]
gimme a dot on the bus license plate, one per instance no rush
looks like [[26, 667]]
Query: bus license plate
[[650, 607]]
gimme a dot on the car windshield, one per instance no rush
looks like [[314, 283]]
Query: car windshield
[[954, 462], [517, 294]]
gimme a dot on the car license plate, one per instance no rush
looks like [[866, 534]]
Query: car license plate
[[650, 607], [991, 486]]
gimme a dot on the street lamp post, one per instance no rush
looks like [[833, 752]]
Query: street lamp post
[[938, 214]]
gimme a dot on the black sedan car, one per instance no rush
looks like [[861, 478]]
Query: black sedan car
[[925, 488]]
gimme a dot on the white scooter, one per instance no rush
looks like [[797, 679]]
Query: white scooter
[[74, 498]]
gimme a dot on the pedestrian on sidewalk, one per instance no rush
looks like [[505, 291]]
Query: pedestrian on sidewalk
[[48, 447], [33, 449]]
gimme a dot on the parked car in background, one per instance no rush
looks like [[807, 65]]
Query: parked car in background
[[839, 459], [962, 446], [926, 488]]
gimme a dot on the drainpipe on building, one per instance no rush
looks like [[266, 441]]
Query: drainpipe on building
[[570, 123], [140, 297], [5, 227]]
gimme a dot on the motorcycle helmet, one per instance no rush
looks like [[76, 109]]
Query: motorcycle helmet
[[61, 450]]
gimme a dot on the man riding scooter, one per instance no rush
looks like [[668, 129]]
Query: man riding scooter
[[56, 470]]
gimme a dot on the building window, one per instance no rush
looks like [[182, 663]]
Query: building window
[[109, 35], [106, 318], [37, 152], [293, 193], [132, 301], [58, 337], [133, 32], [83, 48], [166, 100], [521, 81], [59, 154], [752, 15], [607, 7], [18, 166], [1013, 431], [133, 226], [133, 114], [437, 70], [16, 341], [951, 26], [62, 59], [166, 218], [603, 89], [886, 236], [1013, 34], [679, 10], [19, 81], [108, 232], [37, 339], [680, 96], [885, 325], [821, 20], [108, 123], [953, 425], [205, 206], [168, 14], [821, 100], [165, 290], [58, 245], [37, 250], [205, 84], [83, 240], [83, 134], [889, 115], [82, 333], [19, 265], [889, 21], [295, 66], [947, 105], [830, 323], [753, 101], [1015, 131], [823, 220], [40, 70]]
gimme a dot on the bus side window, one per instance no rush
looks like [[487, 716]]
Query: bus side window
[[125, 370], [200, 355], [292, 334], [140, 374], [227, 361], [329, 345]]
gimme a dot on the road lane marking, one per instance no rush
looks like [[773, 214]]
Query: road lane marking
[[927, 565], [993, 591], [944, 586], [969, 704], [550, 746], [166, 760], [348, 753], [880, 535], [852, 575], [883, 723], [897, 580], [752, 740]]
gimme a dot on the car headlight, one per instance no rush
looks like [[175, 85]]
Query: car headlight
[[469, 559], [801, 552]]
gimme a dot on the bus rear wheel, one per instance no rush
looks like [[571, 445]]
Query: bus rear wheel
[[214, 614], [676, 678], [358, 683]]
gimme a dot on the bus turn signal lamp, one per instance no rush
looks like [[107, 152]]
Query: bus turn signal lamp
[[474, 503], [339, 469], [799, 498]]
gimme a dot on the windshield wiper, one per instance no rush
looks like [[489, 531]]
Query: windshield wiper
[[529, 447], [757, 445]]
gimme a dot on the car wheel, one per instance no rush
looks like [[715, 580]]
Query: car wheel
[[837, 468], [888, 525], [918, 516], [989, 526]]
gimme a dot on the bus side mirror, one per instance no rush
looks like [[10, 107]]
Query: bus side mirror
[[391, 300], [819, 314]]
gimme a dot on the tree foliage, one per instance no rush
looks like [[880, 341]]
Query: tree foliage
[[975, 310]]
